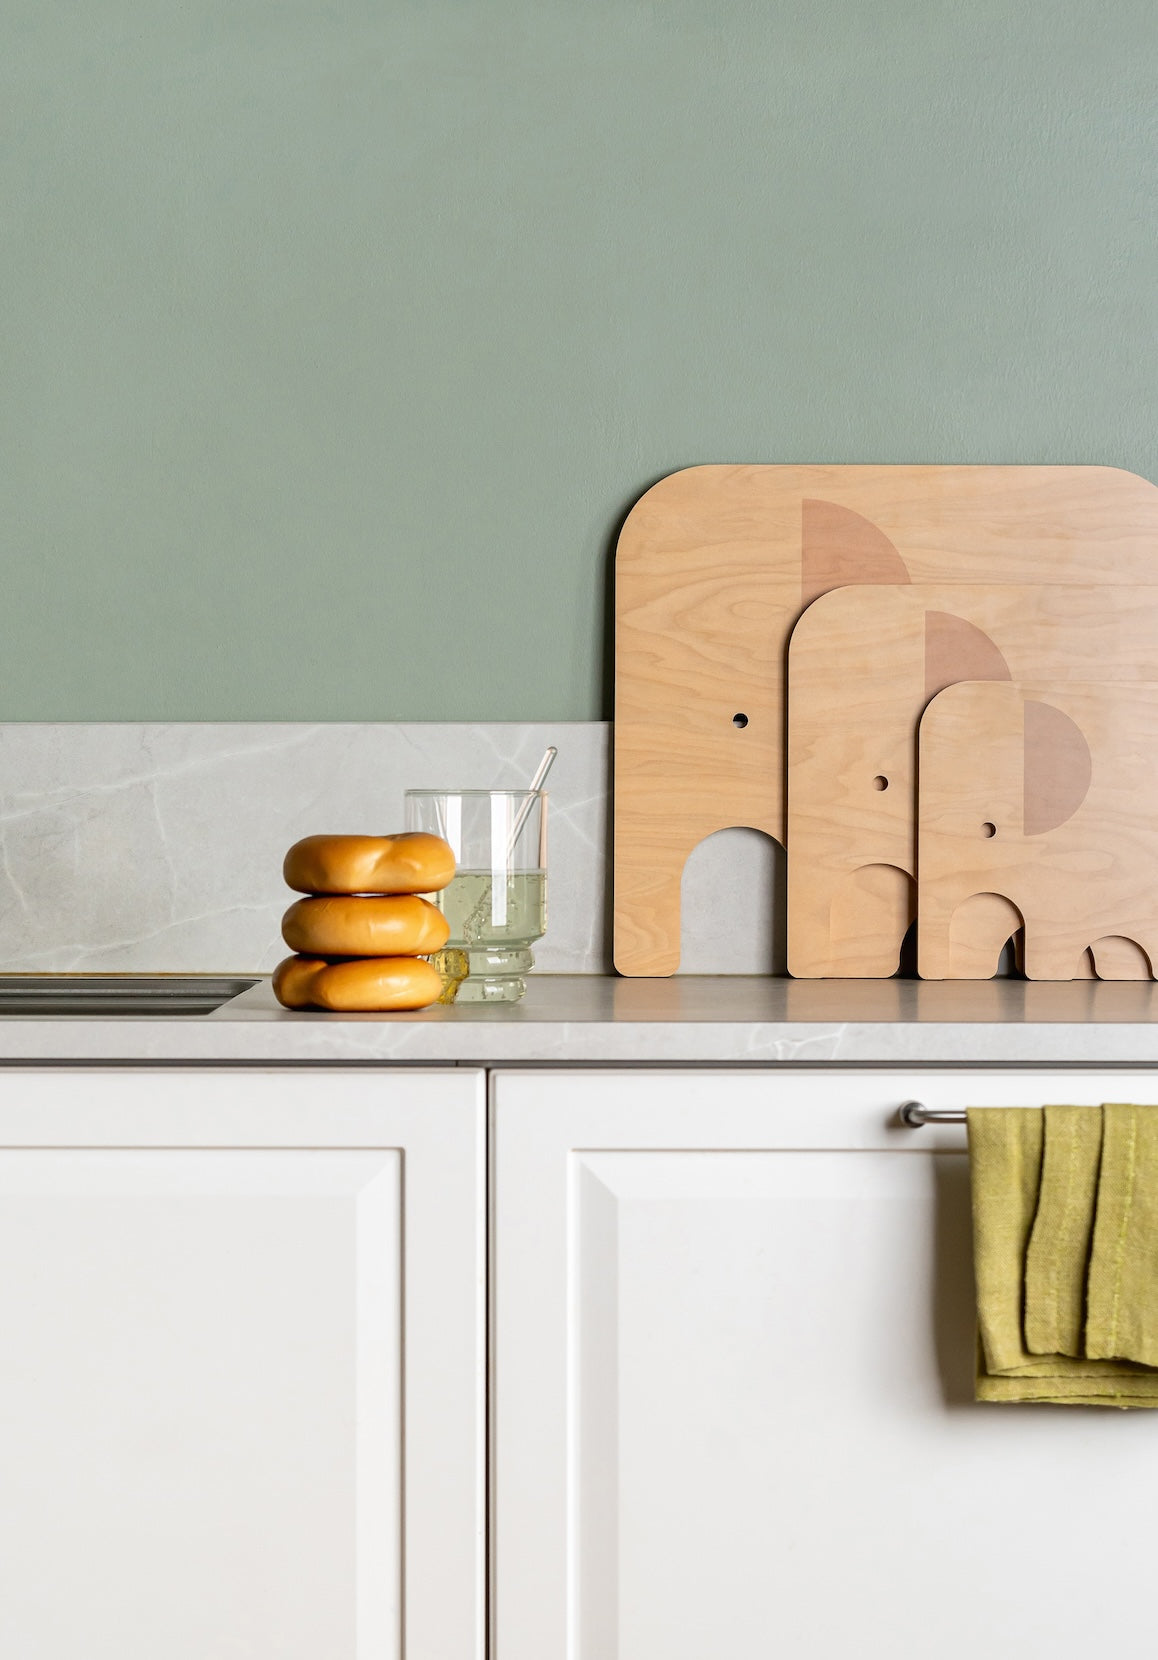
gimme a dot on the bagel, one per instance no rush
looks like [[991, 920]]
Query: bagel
[[413, 862], [368, 985], [398, 925]]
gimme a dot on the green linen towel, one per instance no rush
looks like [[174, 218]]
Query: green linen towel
[[1058, 1254], [1122, 1313], [1037, 1179]]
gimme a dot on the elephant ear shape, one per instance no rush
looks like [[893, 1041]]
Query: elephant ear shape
[[1058, 767], [958, 650], [839, 548]]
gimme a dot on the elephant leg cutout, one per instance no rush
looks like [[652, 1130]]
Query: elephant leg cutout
[[870, 915], [1113, 957], [647, 899], [1011, 957], [1117, 958], [648, 903], [978, 931], [731, 894]]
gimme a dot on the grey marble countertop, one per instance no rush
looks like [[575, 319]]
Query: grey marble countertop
[[600, 1019]]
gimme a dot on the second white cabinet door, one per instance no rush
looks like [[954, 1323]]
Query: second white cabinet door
[[241, 1365], [732, 1359]]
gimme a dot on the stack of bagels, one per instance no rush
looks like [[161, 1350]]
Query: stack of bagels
[[363, 932]]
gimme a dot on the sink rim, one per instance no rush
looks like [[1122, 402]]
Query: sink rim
[[69, 993]]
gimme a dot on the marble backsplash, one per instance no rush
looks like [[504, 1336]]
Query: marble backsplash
[[159, 847]]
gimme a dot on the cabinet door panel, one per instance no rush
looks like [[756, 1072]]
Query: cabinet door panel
[[231, 1372], [733, 1410]]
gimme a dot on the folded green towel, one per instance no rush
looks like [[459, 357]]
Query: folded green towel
[[1122, 1312], [1065, 1207], [1058, 1253]]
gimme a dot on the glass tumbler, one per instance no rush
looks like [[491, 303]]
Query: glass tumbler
[[497, 903]]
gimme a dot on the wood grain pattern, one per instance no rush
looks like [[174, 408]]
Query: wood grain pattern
[[1083, 883], [863, 663], [713, 568]]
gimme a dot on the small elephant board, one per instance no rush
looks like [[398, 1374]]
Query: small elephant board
[[1039, 809], [862, 664], [713, 567]]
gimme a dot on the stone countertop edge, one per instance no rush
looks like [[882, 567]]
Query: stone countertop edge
[[600, 1020]]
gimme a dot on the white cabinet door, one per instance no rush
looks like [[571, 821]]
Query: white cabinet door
[[733, 1353], [241, 1342]]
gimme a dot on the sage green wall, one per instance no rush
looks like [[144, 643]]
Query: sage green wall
[[336, 338]]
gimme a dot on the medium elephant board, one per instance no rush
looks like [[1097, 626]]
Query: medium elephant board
[[862, 664], [1039, 808], [713, 567]]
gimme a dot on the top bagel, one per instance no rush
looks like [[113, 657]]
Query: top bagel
[[413, 862]]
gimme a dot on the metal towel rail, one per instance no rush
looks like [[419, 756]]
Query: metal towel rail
[[915, 1113]]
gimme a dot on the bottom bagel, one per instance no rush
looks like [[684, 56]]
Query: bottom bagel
[[356, 985]]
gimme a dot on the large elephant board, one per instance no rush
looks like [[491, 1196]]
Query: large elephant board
[[862, 664], [714, 566], [1039, 809]]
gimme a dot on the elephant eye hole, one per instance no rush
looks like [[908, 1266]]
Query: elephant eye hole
[[880, 782], [988, 829], [739, 720]]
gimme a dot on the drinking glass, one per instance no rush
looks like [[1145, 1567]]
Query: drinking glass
[[497, 902]]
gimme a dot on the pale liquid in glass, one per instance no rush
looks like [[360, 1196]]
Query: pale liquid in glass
[[496, 936]]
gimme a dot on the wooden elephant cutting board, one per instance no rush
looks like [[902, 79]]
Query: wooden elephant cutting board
[[714, 566], [862, 664], [1039, 807]]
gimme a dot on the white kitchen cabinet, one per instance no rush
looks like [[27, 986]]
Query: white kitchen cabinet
[[732, 1415], [241, 1364]]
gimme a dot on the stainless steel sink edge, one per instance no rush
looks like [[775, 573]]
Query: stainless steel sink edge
[[140, 995]]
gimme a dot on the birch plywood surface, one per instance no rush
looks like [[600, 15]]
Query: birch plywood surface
[[1039, 806], [862, 665], [714, 566]]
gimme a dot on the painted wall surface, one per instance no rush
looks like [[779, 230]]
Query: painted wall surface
[[336, 339]]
